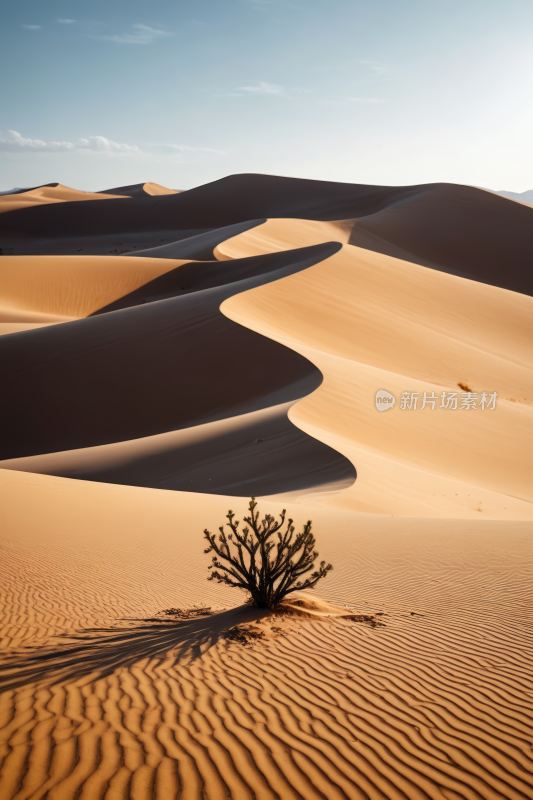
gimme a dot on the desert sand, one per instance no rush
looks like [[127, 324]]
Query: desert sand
[[167, 354]]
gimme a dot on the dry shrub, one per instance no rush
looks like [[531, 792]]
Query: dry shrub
[[263, 559]]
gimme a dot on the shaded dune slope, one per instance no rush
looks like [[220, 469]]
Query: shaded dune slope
[[258, 453], [131, 372], [458, 229], [200, 247]]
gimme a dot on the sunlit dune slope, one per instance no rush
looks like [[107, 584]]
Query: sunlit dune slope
[[372, 322], [43, 195], [434, 704], [70, 287], [157, 189]]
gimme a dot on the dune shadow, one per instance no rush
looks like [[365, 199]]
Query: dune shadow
[[104, 650]]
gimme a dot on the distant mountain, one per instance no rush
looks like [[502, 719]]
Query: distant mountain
[[524, 197], [16, 190]]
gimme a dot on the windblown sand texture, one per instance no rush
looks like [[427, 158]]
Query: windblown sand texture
[[167, 354]]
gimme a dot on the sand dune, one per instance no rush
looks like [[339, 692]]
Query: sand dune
[[170, 355], [51, 193], [457, 229], [363, 319], [140, 190]]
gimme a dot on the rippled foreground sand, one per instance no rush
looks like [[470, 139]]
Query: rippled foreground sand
[[166, 355]]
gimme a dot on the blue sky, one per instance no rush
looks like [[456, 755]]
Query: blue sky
[[182, 92]]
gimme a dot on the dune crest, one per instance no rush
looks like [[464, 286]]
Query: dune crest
[[277, 235], [156, 189]]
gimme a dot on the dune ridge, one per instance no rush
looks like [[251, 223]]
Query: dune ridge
[[139, 190]]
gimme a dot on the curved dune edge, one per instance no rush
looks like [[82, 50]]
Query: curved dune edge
[[156, 189], [44, 195], [203, 246], [115, 406], [256, 453], [362, 318], [277, 235], [433, 705]]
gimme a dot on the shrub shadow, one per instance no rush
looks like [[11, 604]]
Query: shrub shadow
[[104, 650]]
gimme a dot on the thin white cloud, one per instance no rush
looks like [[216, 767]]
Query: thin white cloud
[[142, 34], [263, 88], [15, 143], [99, 144], [182, 148], [377, 67], [66, 21], [31, 27], [370, 100]]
